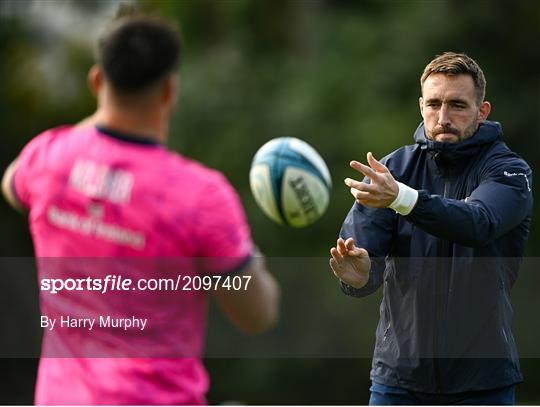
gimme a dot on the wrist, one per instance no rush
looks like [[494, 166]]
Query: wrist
[[405, 200], [356, 286]]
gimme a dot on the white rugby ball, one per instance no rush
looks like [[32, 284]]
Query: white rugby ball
[[290, 182]]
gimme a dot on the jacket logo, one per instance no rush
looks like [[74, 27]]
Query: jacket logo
[[508, 174]]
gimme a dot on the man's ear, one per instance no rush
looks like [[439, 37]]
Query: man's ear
[[483, 111], [95, 79], [421, 104], [169, 91]]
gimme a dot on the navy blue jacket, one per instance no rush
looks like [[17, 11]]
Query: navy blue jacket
[[447, 268]]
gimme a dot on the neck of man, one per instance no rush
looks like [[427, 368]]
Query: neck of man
[[145, 124]]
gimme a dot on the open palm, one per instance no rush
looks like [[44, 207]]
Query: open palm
[[349, 263]]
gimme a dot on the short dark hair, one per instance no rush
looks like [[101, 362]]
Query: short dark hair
[[451, 63], [137, 51]]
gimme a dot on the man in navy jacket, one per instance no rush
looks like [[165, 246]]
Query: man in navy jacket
[[442, 225]]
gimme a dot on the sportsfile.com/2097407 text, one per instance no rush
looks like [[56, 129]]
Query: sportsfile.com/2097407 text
[[114, 282]]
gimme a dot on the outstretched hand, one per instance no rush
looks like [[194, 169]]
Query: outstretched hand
[[382, 190], [349, 263]]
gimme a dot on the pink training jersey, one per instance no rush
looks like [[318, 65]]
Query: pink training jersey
[[101, 203]]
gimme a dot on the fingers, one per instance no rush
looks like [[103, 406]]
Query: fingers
[[364, 169], [380, 191], [361, 191], [345, 248], [359, 185], [342, 249], [338, 251], [363, 252], [335, 267], [335, 254], [360, 195], [354, 251], [376, 165], [372, 170]]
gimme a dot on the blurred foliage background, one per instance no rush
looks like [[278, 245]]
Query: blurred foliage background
[[342, 75]]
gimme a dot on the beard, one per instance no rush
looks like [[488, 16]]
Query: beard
[[458, 134]]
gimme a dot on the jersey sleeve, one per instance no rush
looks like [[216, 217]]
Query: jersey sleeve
[[222, 233], [30, 162]]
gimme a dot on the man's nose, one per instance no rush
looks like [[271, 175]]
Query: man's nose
[[444, 118]]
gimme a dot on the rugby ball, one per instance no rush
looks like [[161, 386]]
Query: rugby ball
[[290, 182]]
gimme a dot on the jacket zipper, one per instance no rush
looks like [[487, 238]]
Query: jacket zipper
[[438, 296]]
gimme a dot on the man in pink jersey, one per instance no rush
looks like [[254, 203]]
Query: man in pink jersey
[[108, 202]]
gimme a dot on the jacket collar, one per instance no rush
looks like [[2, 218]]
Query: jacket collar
[[488, 132]]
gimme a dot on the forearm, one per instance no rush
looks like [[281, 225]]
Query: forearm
[[7, 187], [473, 222], [255, 308]]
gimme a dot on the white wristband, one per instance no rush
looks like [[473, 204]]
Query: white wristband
[[405, 201]]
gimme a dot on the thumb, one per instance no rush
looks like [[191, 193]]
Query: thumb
[[376, 165]]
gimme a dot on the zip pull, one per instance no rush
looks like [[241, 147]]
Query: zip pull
[[385, 334]]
